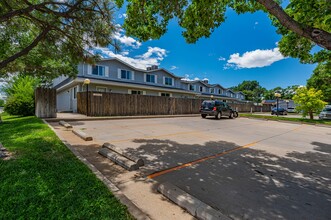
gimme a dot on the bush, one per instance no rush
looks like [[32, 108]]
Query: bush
[[20, 91], [2, 103], [18, 105]]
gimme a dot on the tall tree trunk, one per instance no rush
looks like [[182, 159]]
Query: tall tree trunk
[[311, 115], [320, 37]]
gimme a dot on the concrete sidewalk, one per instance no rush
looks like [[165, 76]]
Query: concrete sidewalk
[[81, 117]]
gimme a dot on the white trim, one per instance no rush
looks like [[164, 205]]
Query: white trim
[[119, 73], [106, 71], [144, 92], [89, 70], [145, 77], [163, 81], [155, 79], [132, 72], [129, 91]]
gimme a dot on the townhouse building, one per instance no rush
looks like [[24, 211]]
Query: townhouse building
[[116, 76]]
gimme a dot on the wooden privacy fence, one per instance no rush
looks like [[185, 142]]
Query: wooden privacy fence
[[114, 104], [45, 102]]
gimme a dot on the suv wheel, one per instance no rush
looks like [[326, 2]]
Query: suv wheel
[[218, 116], [203, 116], [231, 115]]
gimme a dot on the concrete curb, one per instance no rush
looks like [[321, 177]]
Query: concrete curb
[[119, 159], [118, 117], [132, 208], [188, 202], [82, 135], [289, 122], [65, 124], [118, 150]]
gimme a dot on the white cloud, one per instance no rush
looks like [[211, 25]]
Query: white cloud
[[122, 15], [253, 59], [173, 67], [127, 41], [221, 58], [153, 56], [256, 23]]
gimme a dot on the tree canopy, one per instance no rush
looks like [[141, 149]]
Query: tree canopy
[[252, 90], [48, 38], [321, 80], [308, 101], [303, 24]]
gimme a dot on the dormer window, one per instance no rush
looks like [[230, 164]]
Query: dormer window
[[191, 87], [98, 70], [168, 81], [150, 78], [212, 90], [200, 88]]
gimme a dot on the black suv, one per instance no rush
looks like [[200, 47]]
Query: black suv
[[216, 109], [281, 111]]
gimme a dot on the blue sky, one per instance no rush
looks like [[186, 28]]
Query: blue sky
[[244, 47]]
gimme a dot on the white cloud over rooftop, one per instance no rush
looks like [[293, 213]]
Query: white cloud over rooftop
[[254, 59]]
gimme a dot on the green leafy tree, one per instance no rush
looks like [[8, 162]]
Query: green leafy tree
[[252, 90], [303, 24], [49, 38], [308, 101], [20, 95], [321, 80], [2, 103]]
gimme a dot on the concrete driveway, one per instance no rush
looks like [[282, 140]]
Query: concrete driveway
[[246, 168]]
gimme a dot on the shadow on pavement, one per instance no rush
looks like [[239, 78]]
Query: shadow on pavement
[[248, 183]]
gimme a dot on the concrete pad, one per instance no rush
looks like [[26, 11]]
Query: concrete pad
[[65, 124], [120, 151], [119, 159], [190, 203], [82, 135]]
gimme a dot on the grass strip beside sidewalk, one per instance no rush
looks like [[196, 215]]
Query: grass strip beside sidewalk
[[287, 118], [45, 180]]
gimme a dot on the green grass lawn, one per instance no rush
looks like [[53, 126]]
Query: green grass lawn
[[45, 180], [287, 118]]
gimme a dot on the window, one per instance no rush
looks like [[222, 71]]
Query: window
[[136, 92], [75, 92], [165, 94], [150, 78], [200, 88], [219, 91], [191, 87], [168, 81], [126, 74], [101, 89], [98, 70], [212, 90]]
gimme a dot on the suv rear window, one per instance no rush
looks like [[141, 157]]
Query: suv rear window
[[208, 104], [327, 110]]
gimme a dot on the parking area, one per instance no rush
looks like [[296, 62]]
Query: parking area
[[246, 168]]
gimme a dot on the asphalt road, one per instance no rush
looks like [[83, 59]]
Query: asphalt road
[[246, 168]]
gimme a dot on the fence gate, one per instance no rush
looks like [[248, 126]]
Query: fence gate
[[45, 103]]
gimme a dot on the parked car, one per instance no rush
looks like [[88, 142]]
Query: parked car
[[290, 110], [217, 109], [325, 113], [281, 111]]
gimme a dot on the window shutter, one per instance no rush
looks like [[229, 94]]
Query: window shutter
[[106, 71], [163, 82], [89, 70], [173, 82], [119, 73], [132, 75], [129, 91], [145, 80], [155, 78], [144, 92]]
